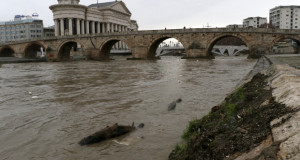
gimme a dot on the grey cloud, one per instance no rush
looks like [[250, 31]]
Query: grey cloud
[[158, 14]]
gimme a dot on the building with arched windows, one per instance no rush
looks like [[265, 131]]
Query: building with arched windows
[[71, 18]]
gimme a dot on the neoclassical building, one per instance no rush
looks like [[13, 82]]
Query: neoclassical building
[[71, 18]]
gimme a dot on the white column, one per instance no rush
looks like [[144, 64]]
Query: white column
[[56, 27], [82, 27], [99, 31], [78, 26], [70, 26], [107, 27], [112, 27], [62, 28], [87, 27], [93, 28]]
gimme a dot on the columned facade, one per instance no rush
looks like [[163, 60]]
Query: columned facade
[[71, 18]]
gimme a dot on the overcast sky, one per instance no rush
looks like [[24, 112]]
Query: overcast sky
[[158, 14]]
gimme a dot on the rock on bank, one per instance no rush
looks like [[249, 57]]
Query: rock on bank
[[260, 120]]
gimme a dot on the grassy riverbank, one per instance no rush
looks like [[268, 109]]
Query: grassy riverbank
[[236, 126]]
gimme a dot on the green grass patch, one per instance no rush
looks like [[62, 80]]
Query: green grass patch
[[230, 109], [191, 131], [179, 149], [239, 95]]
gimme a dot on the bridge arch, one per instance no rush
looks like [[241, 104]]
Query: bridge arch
[[107, 46], [153, 46], [65, 48], [32, 49], [276, 42], [215, 40], [7, 51]]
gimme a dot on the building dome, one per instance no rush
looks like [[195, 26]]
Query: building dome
[[68, 1]]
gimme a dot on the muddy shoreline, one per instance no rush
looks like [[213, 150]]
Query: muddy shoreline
[[242, 126]]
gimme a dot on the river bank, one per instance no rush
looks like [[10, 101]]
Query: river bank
[[260, 120], [7, 60]]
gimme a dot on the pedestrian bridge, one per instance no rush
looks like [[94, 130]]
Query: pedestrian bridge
[[198, 43]]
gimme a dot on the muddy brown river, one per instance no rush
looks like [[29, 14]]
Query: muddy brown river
[[46, 108]]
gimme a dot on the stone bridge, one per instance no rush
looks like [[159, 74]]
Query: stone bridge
[[143, 44]]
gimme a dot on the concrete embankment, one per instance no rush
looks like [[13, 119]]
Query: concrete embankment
[[260, 120], [284, 142]]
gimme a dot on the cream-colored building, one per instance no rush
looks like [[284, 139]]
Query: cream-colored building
[[71, 18], [254, 22], [285, 17]]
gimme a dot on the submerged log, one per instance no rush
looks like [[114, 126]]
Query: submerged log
[[106, 133]]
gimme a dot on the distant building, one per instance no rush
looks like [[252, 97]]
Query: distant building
[[285, 17], [21, 28], [235, 26], [254, 22], [71, 18], [49, 31]]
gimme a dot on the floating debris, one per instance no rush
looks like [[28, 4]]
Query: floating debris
[[141, 125], [172, 105], [107, 133]]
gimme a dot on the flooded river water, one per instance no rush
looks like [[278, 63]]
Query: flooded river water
[[46, 108]]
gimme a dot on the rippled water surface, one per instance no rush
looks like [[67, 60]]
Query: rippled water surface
[[46, 108]]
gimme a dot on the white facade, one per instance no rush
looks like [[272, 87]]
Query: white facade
[[285, 17], [21, 29], [71, 18], [254, 22]]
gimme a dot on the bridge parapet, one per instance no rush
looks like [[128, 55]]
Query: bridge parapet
[[143, 44], [168, 31]]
